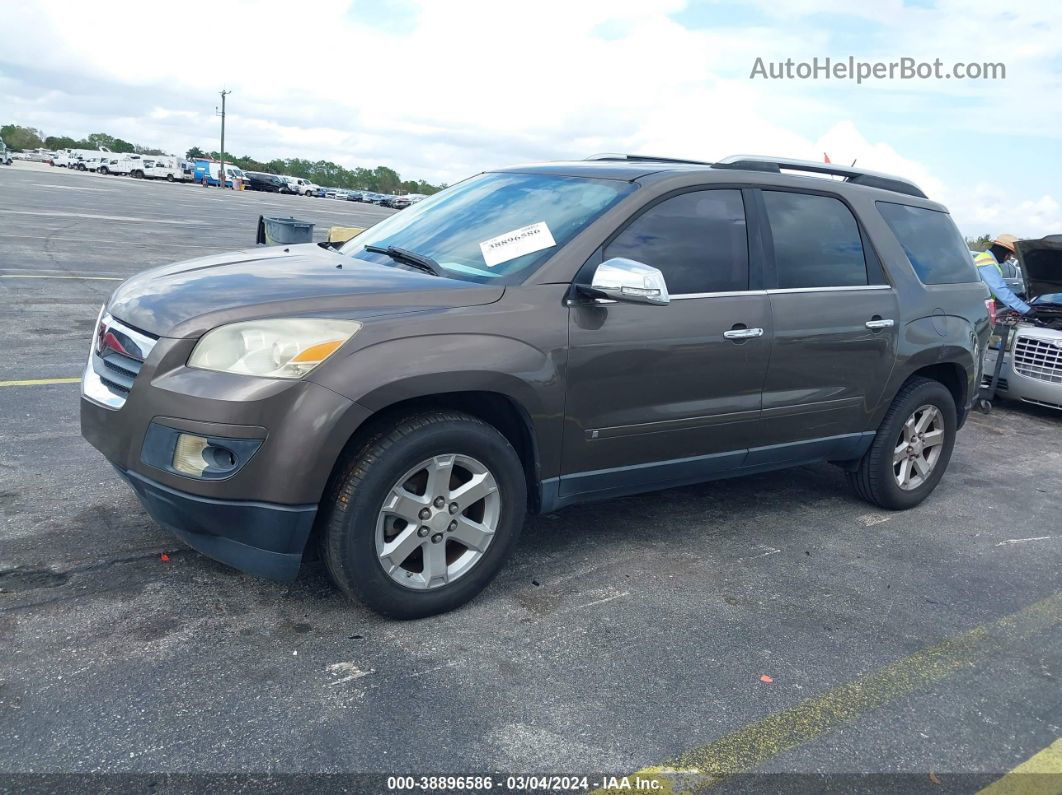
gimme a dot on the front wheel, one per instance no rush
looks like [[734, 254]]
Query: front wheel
[[422, 518], [912, 448]]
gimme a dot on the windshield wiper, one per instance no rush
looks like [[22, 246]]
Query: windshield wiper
[[404, 255]]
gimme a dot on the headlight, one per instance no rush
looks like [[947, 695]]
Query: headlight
[[272, 348]]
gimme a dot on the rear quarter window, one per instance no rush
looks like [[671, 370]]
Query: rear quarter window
[[932, 243]]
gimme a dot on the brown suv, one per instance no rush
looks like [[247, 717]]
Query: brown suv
[[531, 338]]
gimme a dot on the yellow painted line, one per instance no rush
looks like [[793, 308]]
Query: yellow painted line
[[41, 382], [746, 748], [1040, 774], [35, 276]]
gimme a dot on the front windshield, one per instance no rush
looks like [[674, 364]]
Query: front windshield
[[493, 226]]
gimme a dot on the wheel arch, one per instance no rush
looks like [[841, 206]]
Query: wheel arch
[[500, 410]]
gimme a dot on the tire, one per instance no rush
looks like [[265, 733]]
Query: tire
[[104, 170], [357, 519], [205, 183], [876, 477], [169, 177]]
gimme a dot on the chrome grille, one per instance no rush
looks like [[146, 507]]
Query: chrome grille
[[1038, 358], [118, 352]]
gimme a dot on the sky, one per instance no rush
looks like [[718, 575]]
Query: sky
[[442, 89]]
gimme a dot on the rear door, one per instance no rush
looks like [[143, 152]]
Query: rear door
[[667, 394], [835, 328]]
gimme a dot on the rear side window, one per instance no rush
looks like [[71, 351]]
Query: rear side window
[[816, 241], [698, 241], [932, 243]]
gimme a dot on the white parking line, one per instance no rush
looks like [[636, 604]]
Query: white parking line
[[55, 271], [42, 276], [151, 244], [72, 187], [103, 217]]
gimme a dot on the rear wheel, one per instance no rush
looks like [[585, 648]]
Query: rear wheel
[[423, 516], [169, 177], [912, 448]]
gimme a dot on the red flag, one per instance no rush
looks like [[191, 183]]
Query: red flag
[[826, 158]]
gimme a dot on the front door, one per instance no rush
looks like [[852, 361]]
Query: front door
[[835, 332], [660, 395]]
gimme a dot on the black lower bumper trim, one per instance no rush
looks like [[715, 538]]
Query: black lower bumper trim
[[259, 538]]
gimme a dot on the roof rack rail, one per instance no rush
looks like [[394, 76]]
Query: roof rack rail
[[857, 176], [645, 159]]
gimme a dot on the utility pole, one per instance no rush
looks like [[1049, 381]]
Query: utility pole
[[221, 169]]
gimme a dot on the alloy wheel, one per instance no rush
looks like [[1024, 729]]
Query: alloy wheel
[[918, 447], [437, 521]]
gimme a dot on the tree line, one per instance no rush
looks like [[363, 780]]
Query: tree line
[[322, 172], [23, 138]]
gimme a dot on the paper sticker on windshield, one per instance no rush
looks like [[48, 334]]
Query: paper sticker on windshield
[[515, 244]]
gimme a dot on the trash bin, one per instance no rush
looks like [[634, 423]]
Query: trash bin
[[283, 231]]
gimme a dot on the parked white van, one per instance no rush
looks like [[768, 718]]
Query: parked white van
[[301, 186]]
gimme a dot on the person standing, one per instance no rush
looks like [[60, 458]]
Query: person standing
[[988, 268]]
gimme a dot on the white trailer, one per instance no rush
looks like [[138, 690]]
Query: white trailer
[[164, 167]]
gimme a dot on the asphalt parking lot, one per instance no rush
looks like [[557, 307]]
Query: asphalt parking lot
[[773, 624]]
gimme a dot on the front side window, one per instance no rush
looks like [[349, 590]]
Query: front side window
[[931, 242], [493, 226], [697, 240], [816, 241]]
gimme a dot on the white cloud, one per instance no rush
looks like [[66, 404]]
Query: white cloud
[[450, 88]]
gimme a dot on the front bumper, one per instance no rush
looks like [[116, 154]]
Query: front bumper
[[1015, 385], [259, 517], [256, 537]]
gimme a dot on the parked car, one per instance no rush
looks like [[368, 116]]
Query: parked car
[[208, 173], [532, 338], [94, 161], [301, 186], [5, 154], [1032, 362], [397, 202], [270, 183]]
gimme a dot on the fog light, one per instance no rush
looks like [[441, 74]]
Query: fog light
[[188, 455]]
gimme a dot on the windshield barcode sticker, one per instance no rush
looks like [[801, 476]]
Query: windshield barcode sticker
[[525, 240]]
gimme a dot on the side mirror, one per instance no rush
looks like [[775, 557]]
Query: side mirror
[[623, 279]]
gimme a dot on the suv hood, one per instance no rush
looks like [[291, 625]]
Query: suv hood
[[187, 299], [1041, 262]]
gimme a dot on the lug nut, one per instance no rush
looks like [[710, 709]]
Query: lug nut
[[453, 507], [435, 539], [439, 502], [453, 526], [424, 513], [423, 531]]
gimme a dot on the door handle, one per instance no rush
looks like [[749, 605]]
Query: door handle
[[743, 333], [879, 323]]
